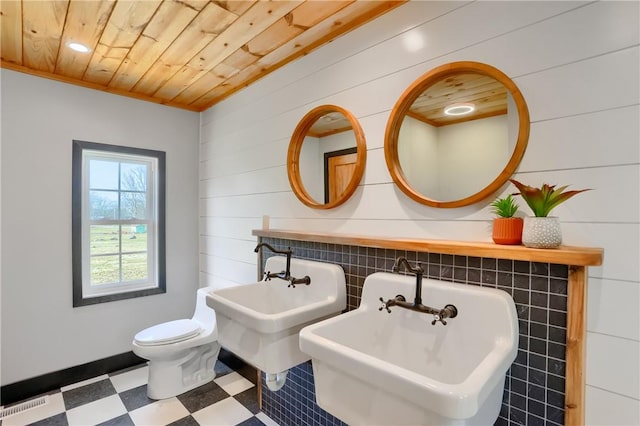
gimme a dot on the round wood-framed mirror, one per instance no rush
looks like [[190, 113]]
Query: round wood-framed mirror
[[456, 158], [326, 157]]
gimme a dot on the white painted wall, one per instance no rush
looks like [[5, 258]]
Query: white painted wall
[[41, 331], [418, 156], [312, 168], [453, 162], [577, 65], [470, 153]]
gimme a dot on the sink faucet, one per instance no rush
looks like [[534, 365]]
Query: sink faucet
[[402, 261], [286, 274], [439, 315]]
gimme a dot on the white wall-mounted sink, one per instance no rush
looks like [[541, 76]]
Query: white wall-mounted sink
[[373, 367], [260, 322]]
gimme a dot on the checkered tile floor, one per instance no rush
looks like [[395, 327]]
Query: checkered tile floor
[[120, 398]]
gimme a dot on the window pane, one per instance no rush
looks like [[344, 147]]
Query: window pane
[[134, 267], [104, 239], [134, 177], [116, 255], [103, 205], [133, 205], [105, 269], [134, 238], [103, 174]]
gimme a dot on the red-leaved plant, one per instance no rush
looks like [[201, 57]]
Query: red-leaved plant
[[544, 199]]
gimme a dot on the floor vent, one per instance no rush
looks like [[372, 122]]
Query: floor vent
[[22, 407]]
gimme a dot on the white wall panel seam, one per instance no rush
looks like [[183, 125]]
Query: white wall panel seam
[[613, 392], [581, 113], [574, 62], [614, 336]]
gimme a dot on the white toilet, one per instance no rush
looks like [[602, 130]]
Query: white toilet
[[181, 353]]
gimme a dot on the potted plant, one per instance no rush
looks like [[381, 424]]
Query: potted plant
[[542, 230], [507, 229]]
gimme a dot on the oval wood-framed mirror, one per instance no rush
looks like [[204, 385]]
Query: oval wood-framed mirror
[[456, 160], [326, 157]]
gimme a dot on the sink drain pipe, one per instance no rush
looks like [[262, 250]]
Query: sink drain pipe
[[276, 381]]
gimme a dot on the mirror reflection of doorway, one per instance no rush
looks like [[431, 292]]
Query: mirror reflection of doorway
[[332, 131], [339, 167]]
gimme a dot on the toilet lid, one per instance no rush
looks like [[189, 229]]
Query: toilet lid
[[168, 332]]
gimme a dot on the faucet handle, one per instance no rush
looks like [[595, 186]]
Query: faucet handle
[[384, 305], [267, 276], [436, 318], [449, 311]]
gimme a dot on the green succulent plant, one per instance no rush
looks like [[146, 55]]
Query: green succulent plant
[[544, 199], [504, 207]]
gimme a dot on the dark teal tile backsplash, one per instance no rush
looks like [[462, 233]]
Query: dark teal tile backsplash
[[534, 386]]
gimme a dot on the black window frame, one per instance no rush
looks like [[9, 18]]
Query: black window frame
[[76, 222]]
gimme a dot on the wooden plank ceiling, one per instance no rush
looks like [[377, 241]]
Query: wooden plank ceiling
[[188, 54], [488, 96]]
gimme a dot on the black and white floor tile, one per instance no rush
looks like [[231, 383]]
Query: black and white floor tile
[[120, 399]]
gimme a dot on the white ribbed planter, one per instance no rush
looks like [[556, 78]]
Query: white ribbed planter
[[541, 232]]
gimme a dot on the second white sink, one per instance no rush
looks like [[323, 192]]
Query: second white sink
[[260, 322], [373, 367]]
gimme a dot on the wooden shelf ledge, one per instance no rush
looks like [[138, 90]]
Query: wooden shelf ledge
[[565, 255]]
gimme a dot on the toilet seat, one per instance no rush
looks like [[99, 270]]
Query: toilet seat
[[168, 332]]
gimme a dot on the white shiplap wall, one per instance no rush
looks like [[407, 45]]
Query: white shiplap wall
[[576, 63]]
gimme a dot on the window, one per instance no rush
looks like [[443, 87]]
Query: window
[[117, 223]]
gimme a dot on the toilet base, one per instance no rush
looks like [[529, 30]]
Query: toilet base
[[172, 377]]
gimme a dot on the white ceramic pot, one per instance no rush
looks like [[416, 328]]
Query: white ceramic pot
[[541, 232]]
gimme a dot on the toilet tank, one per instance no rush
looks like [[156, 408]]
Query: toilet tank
[[203, 314]]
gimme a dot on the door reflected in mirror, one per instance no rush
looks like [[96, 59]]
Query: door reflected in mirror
[[326, 157], [456, 135], [339, 167]]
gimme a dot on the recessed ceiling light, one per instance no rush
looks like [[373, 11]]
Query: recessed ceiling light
[[459, 109], [78, 47]]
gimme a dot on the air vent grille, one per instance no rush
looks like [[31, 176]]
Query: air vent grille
[[24, 406]]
